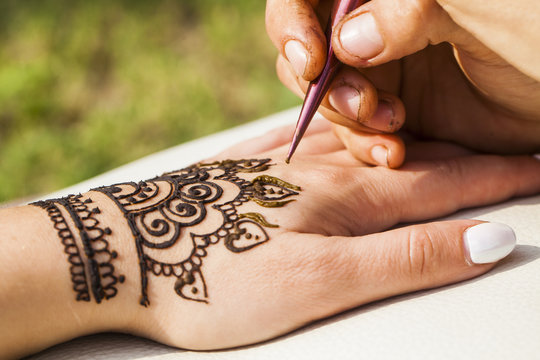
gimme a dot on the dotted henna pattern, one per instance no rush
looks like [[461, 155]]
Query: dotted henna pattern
[[159, 210], [90, 268]]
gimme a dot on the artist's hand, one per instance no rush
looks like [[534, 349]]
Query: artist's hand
[[482, 92], [220, 257]]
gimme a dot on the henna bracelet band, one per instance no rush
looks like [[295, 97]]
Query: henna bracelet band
[[77, 228]]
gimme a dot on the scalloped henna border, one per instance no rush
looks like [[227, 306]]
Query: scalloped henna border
[[95, 271]]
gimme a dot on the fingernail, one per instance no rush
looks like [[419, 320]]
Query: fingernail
[[383, 119], [536, 156], [379, 154], [297, 55], [489, 242], [360, 37], [346, 100]]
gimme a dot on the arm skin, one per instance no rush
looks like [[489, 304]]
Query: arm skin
[[513, 31], [37, 300], [178, 258], [450, 70]]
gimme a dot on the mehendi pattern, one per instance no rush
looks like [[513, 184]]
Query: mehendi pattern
[[159, 210], [92, 271]]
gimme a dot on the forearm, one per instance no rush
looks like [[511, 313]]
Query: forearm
[[509, 29], [96, 262], [31, 300], [45, 295]]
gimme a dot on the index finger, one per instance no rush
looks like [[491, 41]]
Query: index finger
[[296, 32]]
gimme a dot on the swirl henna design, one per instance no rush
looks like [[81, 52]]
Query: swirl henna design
[[159, 210], [94, 271]]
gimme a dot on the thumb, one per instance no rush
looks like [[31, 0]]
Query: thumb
[[354, 271], [383, 30], [431, 255]]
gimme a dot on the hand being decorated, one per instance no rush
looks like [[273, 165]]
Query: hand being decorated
[[242, 248]]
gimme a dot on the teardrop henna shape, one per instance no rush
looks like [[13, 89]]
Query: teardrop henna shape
[[191, 286]]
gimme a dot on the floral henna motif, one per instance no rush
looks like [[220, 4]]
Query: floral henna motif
[[94, 270], [159, 210]]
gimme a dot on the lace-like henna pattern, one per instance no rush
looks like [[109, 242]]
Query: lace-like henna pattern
[[78, 274], [160, 209], [94, 271]]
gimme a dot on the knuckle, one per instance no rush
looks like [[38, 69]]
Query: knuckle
[[422, 258], [452, 170], [450, 167], [419, 24]]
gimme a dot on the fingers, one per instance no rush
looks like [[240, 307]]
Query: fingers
[[352, 101], [362, 95], [339, 273], [299, 86], [294, 28], [366, 200], [424, 190], [353, 96], [384, 30], [385, 112], [430, 150], [375, 149]]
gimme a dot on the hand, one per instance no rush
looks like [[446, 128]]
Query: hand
[[214, 256], [482, 91]]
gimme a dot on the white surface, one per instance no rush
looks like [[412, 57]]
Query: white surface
[[495, 316]]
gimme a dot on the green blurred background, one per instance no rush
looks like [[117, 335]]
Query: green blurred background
[[86, 86]]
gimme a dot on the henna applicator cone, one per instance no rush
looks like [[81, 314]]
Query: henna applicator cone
[[317, 88]]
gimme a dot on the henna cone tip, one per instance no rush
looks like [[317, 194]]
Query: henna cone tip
[[292, 148]]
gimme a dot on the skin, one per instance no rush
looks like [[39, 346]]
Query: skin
[[459, 77], [318, 262]]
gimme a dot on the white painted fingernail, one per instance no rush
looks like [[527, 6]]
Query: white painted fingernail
[[379, 154], [297, 55], [488, 242], [536, 156]]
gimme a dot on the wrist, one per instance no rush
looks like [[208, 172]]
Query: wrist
[[55, 286], [34, 296]]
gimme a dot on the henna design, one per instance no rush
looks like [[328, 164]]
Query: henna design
[[95, 271], [78, 274], [159, 210], [258, 218]]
